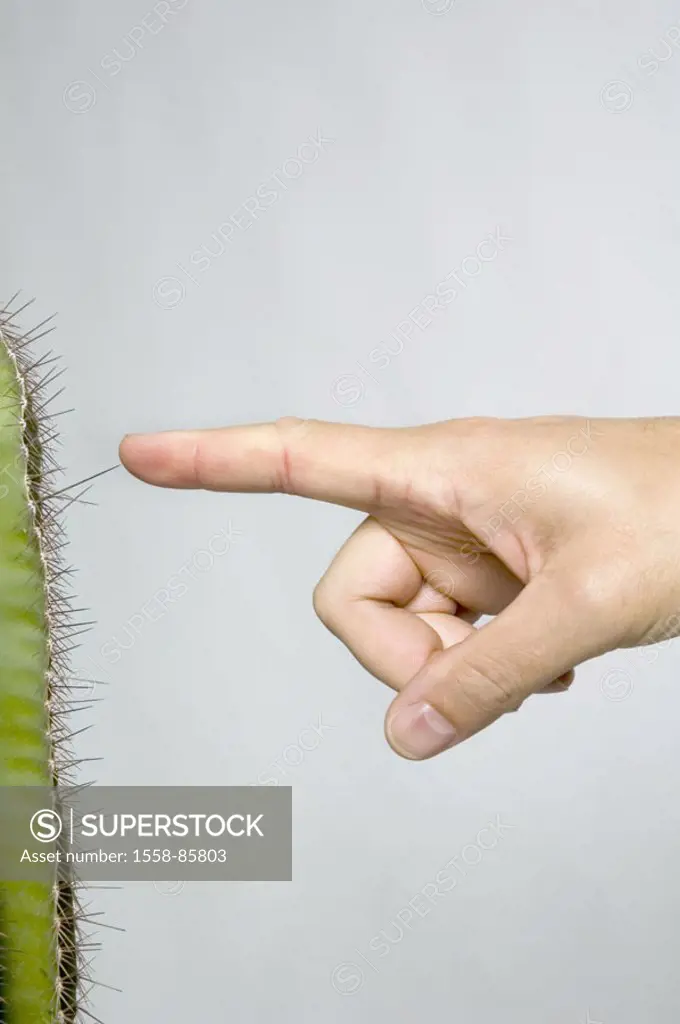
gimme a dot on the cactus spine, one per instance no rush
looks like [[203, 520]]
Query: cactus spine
[[40, 960]]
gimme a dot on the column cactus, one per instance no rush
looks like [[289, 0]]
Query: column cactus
[[41, 961]]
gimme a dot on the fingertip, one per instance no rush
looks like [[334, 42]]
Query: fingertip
[[124, 446], [126, 449], [130, 449], [147, 457]]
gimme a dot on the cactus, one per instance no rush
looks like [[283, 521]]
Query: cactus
[[43, 963]]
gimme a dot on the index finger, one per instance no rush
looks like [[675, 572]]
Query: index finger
[[340, 463]]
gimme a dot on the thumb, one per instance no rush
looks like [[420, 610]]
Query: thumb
[[548, 629]]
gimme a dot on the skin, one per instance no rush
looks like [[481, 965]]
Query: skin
[[565, 530]]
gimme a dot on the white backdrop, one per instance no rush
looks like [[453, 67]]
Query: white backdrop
[[232, 206]]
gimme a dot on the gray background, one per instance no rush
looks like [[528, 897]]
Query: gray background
[[447, 122]]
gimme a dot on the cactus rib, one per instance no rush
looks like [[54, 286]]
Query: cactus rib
[[43, 969]]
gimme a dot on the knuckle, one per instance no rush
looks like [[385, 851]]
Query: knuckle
[[324, 603], [289, 431], [586, 589], [479, 424], [489, 688], [466, 428], [197, 469], [286, 425], [602, 590]]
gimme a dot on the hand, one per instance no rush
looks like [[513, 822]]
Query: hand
[[566, 530]]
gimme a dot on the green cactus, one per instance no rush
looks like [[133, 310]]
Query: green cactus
[[41, 962]]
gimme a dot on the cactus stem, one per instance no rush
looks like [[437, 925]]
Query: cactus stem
[[44, 939]]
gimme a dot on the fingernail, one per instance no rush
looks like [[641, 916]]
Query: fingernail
[[418, 731]]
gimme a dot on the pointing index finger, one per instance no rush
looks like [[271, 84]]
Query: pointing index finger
[[336, 462]]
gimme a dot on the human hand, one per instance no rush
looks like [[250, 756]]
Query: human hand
[[566, 530]]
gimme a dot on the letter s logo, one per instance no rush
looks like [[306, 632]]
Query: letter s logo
[[46, 826]]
